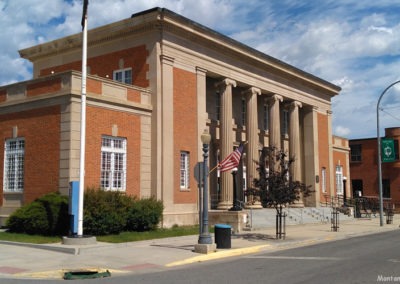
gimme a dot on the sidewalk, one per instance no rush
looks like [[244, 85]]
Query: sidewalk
[[26, 261]]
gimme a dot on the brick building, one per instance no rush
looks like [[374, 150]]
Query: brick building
[[156, 81], [364, 168]]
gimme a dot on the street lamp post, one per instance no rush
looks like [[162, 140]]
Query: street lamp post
[[235, 206], [205, 237], [379, 153]]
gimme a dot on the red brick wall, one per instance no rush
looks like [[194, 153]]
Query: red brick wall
[[367, 169], [133, 96], [3, 96], [185, 130], [45, 87], [100, 122], [104, 65], [323, 151], [94, 86], [41, 130]]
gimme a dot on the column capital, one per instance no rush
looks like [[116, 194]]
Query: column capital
[[167, 60], [296, 104], [275, 98], [252, 91], [226, 82], [201, 71]]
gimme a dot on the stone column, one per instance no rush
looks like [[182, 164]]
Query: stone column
[[275, 121], [294, 140], [252, 141], [311, 154], [167, 134], [226, 142], [294, 146]]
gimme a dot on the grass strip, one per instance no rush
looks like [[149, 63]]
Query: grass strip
[[123, 237]]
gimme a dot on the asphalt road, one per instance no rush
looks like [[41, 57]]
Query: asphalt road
[[357, 260], [368, 259]]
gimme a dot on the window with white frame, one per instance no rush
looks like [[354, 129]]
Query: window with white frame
[[123, 75], [185, 173], [113, 163], [339, 180], [14, 158], [323, 180]]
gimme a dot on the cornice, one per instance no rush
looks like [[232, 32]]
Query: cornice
[[164, 21], [107, 33]]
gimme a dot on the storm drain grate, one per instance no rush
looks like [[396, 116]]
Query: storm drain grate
[[86, 274]]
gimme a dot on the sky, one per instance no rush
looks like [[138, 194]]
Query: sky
[[351, 43]]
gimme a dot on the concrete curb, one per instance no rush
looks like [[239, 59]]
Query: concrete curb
[[69, 250], [219, 255]]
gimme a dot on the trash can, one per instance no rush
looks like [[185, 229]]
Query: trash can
[[223, 235]]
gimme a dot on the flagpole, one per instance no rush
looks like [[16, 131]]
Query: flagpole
[[83, 121]]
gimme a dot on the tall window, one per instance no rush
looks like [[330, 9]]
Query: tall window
[[184, 176], [123, 75], [218, 105], [323, 180], [285, 122], [14, 156], [266, 117], [113, 163], [243, 111], [339, 180], [355, 151]]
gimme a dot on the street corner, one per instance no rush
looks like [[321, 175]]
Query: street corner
[[219, 254]]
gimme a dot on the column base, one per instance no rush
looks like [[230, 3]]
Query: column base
[[225, 205], [297, 204], [253, 205]]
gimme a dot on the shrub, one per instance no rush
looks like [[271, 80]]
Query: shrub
[[105, 212], [47, 215], [145, 214]]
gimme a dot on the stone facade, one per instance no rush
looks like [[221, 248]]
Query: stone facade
[[185, 78]]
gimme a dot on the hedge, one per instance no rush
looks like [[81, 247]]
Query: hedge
[[105, 212]]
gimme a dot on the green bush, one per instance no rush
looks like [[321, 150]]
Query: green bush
[[105, 212], [145, 214], [47, 215]]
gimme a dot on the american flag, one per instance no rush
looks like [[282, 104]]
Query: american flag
[[232, 160]]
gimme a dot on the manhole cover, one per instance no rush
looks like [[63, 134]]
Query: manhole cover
[[85, 274]]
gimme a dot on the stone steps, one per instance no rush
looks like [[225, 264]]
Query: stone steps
[[266, 218]]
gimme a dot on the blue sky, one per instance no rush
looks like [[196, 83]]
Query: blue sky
[[354, 44]]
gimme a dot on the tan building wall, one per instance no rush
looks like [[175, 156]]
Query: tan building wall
[[195, 79]]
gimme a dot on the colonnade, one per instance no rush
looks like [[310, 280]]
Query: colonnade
[[252, 147]]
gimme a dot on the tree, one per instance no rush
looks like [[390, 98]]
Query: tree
[[275, 186]]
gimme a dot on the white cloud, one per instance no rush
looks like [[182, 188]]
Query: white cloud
[[342, 131]]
